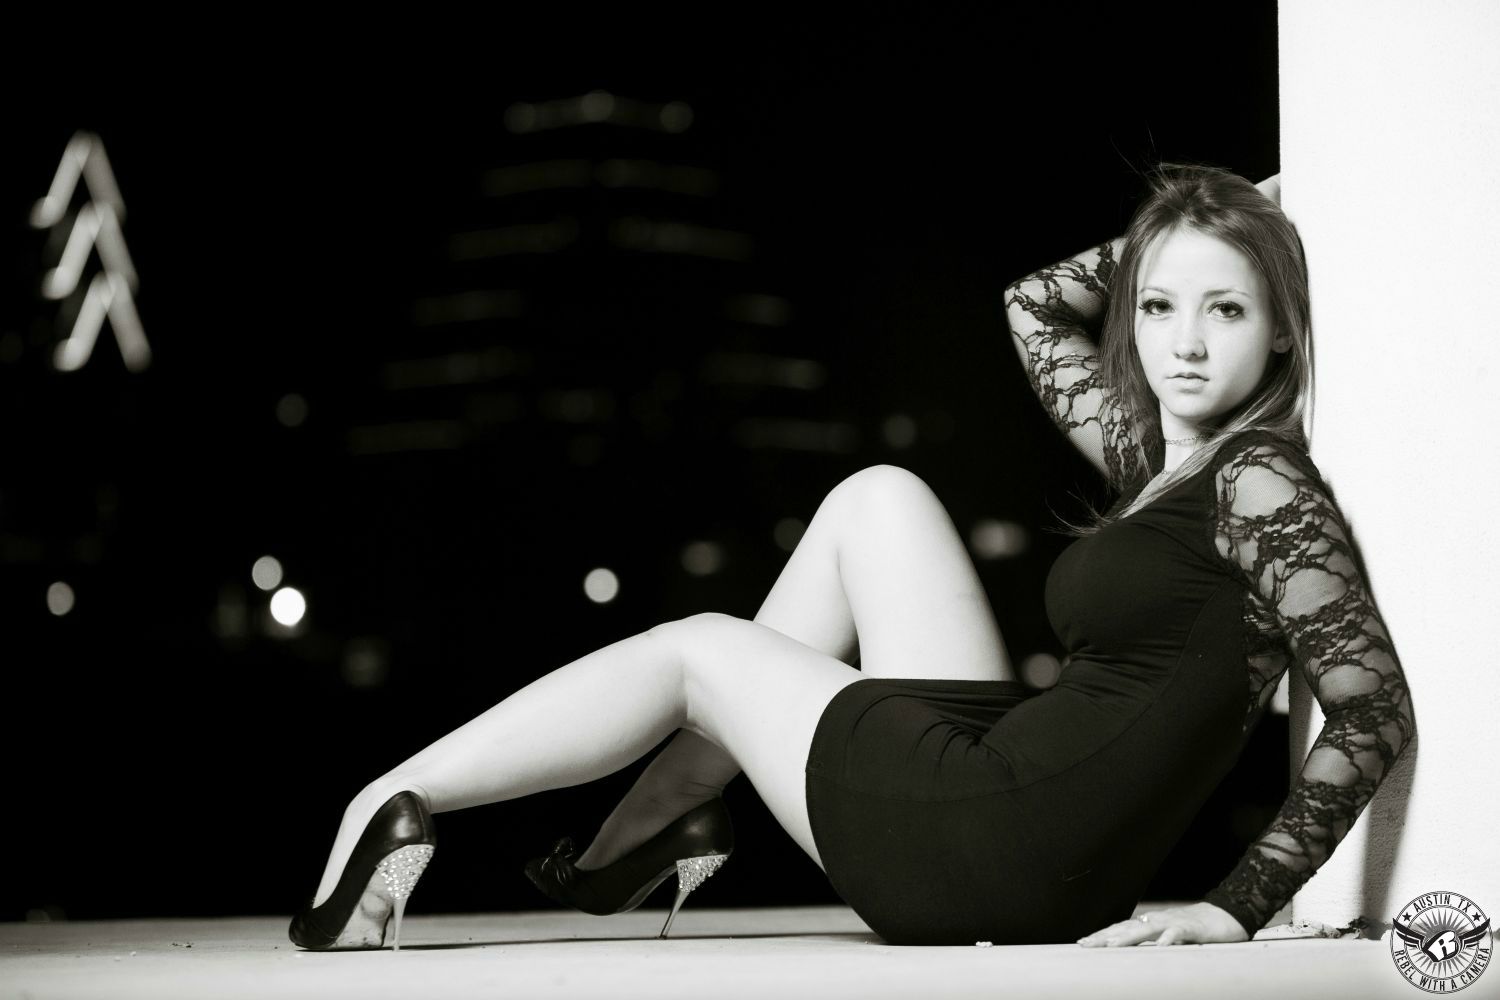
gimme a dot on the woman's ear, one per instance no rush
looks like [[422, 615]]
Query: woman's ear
[[1281, 343]]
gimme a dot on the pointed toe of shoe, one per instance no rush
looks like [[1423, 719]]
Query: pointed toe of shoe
[[304, 932]]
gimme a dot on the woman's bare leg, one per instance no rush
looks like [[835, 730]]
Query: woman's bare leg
[[882, 571], [740, 685]]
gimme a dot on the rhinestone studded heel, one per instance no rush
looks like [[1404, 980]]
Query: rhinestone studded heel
[[693, 846], [392, 853], [691, 873], [401, 871]]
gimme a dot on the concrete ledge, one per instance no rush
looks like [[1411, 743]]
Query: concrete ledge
[[822, 952]]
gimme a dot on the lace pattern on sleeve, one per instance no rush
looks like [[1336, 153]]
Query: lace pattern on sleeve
[[1282, 535], [1047, 311], [1266, 654]]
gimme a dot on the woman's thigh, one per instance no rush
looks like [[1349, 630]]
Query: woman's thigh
[[758, 694], [882, 565]]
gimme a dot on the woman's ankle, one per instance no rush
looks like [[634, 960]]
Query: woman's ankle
[[636, 820], [357, 815], [380, 791]]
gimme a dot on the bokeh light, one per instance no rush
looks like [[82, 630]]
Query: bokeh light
[[521, 117], [899, 431], [232, 613], [601, 585], [266, 573], [49, 914], [1041, 670], [995, 539], [676, 116], [596, 106], [288, 606], [703, 558], [59, 598], [291, 410], [788, 532], [367, 662]]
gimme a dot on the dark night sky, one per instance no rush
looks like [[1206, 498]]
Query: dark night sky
[[293, 207]]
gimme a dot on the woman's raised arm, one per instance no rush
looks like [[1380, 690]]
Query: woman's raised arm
[[1051, 313]]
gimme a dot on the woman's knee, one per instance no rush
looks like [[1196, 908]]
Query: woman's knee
[[880, 493], [696, 645], [695, 630]]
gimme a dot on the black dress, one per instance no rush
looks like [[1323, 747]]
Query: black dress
[[950, 812]]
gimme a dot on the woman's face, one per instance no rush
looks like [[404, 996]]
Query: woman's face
[[1203, 328]]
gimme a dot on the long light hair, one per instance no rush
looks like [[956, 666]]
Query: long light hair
[[1228, 207]]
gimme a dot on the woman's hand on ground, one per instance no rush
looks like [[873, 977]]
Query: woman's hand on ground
[[1199, 923]]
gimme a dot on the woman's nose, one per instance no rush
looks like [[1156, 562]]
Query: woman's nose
[[1186, 340]]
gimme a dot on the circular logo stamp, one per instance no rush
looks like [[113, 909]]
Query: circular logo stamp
[[1441, 941]]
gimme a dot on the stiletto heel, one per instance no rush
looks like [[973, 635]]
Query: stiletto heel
[[691, 873], [382, 870], [401, 872], [397, 909], [693, 847]]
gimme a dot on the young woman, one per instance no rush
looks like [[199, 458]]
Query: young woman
[[946, 801]]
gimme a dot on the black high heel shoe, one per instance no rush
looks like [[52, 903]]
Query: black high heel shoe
[[694, 846], [380, 874]]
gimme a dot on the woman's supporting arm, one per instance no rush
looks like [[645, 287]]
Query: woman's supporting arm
[[1050, 314], [1282, 534]]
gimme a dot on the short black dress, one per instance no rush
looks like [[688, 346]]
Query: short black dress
[[950, 812]]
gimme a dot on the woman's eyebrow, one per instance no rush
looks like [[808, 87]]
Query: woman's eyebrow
[[1207, 294]]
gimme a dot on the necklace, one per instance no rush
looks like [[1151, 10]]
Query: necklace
[[1200, 437]]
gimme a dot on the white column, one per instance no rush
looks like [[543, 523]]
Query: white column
[[1390, 124]]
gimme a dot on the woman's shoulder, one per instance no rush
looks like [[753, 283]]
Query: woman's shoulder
[[1252, 437], [1260, 448], [1260, 471]]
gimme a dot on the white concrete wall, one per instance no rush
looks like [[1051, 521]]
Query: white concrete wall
[[1390, 125]]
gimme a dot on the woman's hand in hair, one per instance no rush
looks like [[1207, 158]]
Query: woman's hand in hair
[[1271, 188], [1198, 923]]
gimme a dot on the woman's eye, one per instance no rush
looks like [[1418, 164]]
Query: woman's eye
[[1155, 307], [1229, 310]]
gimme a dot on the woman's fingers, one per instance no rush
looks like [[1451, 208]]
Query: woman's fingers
[[1198, 923], [1126, 932], [1173, 935]]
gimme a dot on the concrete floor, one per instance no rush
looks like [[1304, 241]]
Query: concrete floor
[[821, 952]]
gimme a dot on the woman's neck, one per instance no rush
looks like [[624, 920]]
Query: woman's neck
[[1176, 455], [1188, 438]]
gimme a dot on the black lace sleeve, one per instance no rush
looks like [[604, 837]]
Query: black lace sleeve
[[1049, 313], [1282, 534]]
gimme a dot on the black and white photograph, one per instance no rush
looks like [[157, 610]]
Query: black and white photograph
[[943, 500]]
